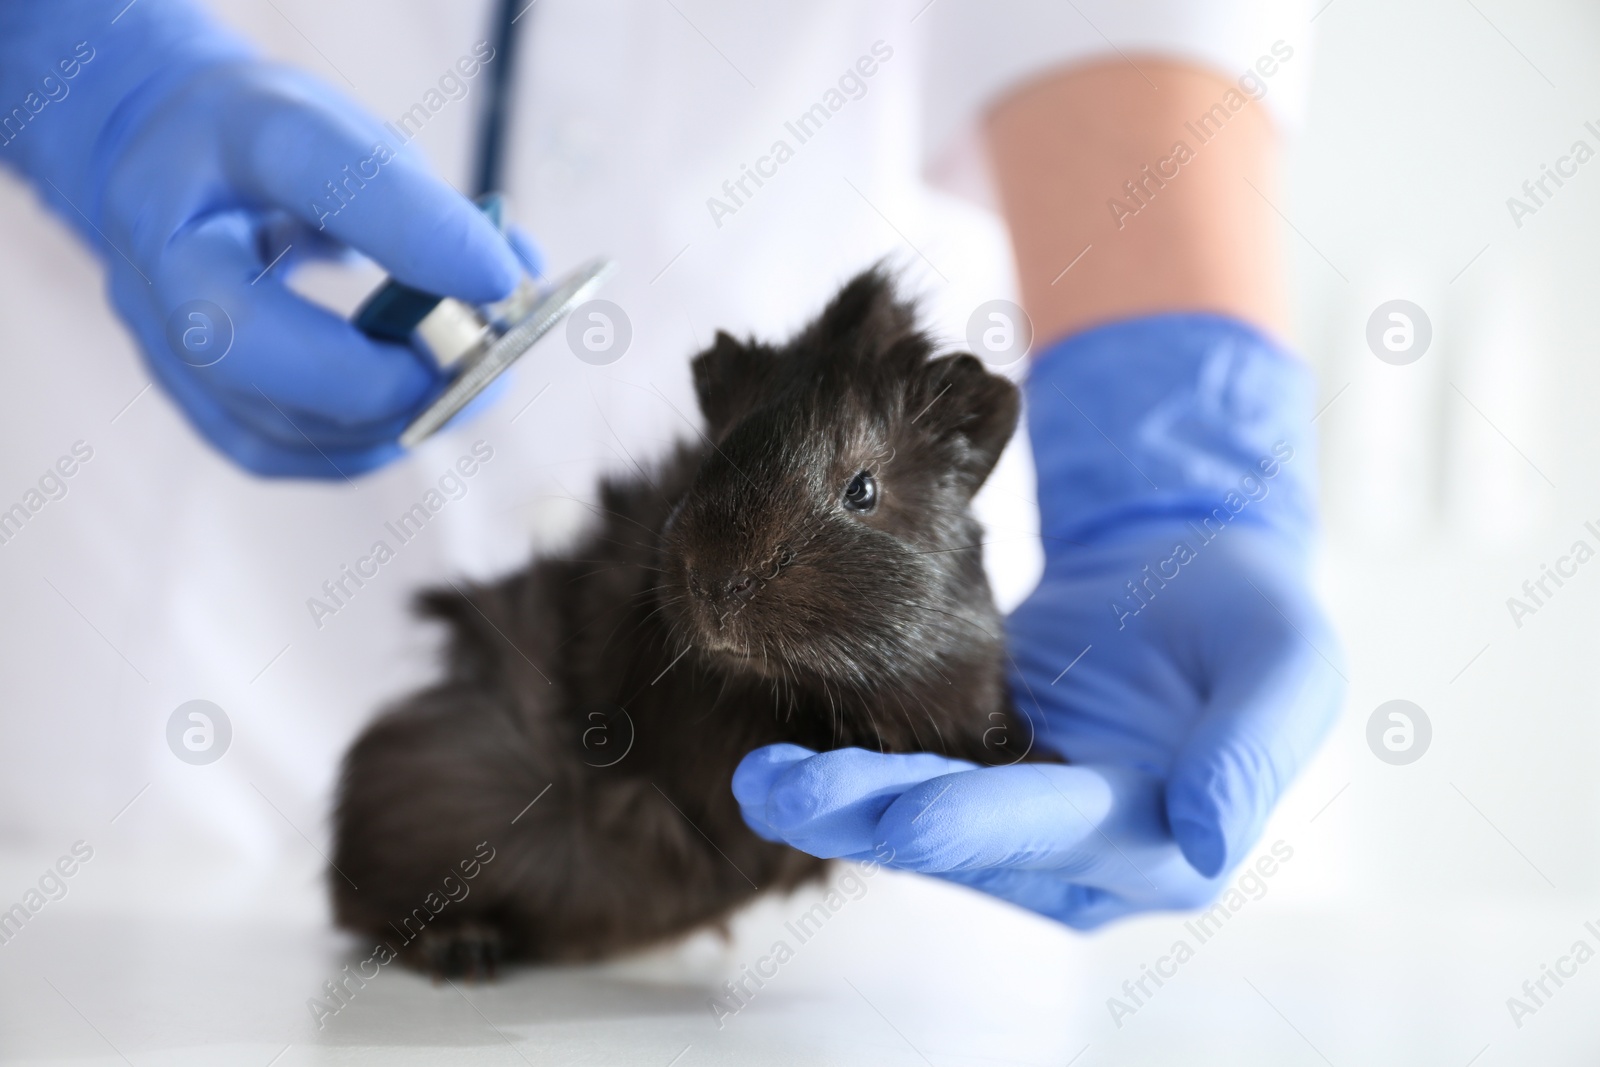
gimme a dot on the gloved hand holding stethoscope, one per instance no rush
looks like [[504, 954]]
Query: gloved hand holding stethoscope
[[204, 173]]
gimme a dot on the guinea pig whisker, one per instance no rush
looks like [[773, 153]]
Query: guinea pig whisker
[[613, 513], [638, 467], [613, 565], [905, 713], [648, 616], [934, 723], [958, 548], [579, 631], [645, 545], [727, 680], [612, 635], [959, 618], [601, 568]]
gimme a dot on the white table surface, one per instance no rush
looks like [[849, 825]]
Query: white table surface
[[912, 972]]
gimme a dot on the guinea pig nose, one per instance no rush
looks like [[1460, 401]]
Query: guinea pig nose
[[740, 587]]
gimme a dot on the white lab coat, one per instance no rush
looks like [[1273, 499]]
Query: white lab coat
[[165, 575]]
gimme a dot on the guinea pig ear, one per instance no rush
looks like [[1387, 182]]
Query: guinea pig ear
[[727, 379], [971, 409]]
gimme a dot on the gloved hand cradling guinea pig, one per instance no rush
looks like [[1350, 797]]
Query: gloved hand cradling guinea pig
[[809, 573]]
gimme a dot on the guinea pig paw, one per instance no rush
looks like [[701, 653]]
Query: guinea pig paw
[[469, 950]]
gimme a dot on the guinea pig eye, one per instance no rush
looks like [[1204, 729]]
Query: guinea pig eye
[[862, 492]]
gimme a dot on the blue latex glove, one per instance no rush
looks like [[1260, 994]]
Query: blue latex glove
[[1186, 686], [190, 165]]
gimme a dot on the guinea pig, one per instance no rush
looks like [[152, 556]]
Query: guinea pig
[[809, 571]]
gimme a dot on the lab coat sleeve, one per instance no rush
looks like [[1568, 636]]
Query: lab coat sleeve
[[978, 50]]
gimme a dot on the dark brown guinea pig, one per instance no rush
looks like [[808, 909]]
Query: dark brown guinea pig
[[810, 572]]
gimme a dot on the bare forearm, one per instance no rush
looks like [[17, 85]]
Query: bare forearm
[[1192, 233]]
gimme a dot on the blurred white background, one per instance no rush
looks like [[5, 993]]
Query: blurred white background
[[1419, 897]]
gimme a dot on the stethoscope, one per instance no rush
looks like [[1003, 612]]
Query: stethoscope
[[489, 164], [475, 344]]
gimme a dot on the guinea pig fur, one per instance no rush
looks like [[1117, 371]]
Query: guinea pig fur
[[809, 571]]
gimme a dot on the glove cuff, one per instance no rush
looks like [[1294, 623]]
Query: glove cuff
[[1191, 417]]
